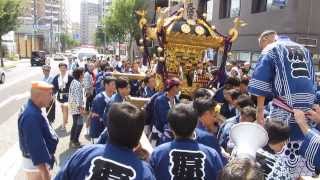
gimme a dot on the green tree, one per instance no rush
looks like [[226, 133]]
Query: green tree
[[114, 30], [67, 42], [9, 13], [122, 24], [101, 37], [74, 43]]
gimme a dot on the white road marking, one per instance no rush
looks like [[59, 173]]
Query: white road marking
[[16, 97], [10, 163]]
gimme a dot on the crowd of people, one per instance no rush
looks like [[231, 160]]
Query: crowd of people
[[190, 137]]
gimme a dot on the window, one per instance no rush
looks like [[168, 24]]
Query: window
[[173, 3], [245, 56], [209, 10], [229, 8], [259, 6], [235, 8], [267, 5], [161, 3]]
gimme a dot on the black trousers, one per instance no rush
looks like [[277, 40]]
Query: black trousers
[[76, 127], [51, 112], [89, 101]]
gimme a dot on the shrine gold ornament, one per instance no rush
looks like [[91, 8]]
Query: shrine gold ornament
[[199, 30], [159, 49], [185, 28], [141, 48], [184, 39]]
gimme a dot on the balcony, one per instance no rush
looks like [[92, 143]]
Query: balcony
[[48, 12], [48, 5]]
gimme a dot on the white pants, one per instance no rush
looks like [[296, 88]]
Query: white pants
[[27, 165], [30, 170]]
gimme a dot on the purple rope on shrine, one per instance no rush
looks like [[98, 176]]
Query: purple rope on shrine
[[146, 55], [222, 75]]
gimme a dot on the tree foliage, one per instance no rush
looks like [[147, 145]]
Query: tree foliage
[[9, 12], [122, 23], [100, 37], [68, 42]]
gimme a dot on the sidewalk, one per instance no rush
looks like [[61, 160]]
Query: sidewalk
[[9, 64]]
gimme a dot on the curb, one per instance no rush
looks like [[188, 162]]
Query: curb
[[9, 67], [13, 64]]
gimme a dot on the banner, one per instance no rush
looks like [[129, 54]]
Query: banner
[[280, 3]]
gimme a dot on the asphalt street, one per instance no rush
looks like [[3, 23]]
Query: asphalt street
[[13, 94]]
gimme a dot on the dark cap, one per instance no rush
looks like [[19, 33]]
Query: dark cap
[[171, 83], [46, 67]]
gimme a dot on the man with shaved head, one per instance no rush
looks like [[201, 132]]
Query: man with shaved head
[[285, 74], [37, 139], [266, 38]]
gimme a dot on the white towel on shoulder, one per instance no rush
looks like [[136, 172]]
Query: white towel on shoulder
[[62, 81]]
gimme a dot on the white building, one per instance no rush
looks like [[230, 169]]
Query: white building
[[66, 16], [104, 8], [76, 31], [89, 20], [52, 19], [9, 43]]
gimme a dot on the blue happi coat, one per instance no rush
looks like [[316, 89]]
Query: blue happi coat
[[310, 148], [37, 139], [185, 159], [99, 105], [105, 162], [285, 71]]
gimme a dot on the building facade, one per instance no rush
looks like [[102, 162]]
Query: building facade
[[75, 28], [297, 19], [104, 8], [89, 20], [41, 29], [66, 17]]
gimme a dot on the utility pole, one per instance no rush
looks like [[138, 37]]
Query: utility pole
[[51, 28], [59, 25], [34, 24], [105, 41]]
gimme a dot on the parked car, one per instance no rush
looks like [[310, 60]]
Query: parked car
[[38, 58], [2, 76], [58, 57]]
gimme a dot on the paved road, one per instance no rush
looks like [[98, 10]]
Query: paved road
[[13, 94]]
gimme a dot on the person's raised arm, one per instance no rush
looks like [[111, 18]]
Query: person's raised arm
[[260, 109], [301, 121]]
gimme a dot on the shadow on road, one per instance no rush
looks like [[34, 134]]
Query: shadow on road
[[62, 132], [64, 156]]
